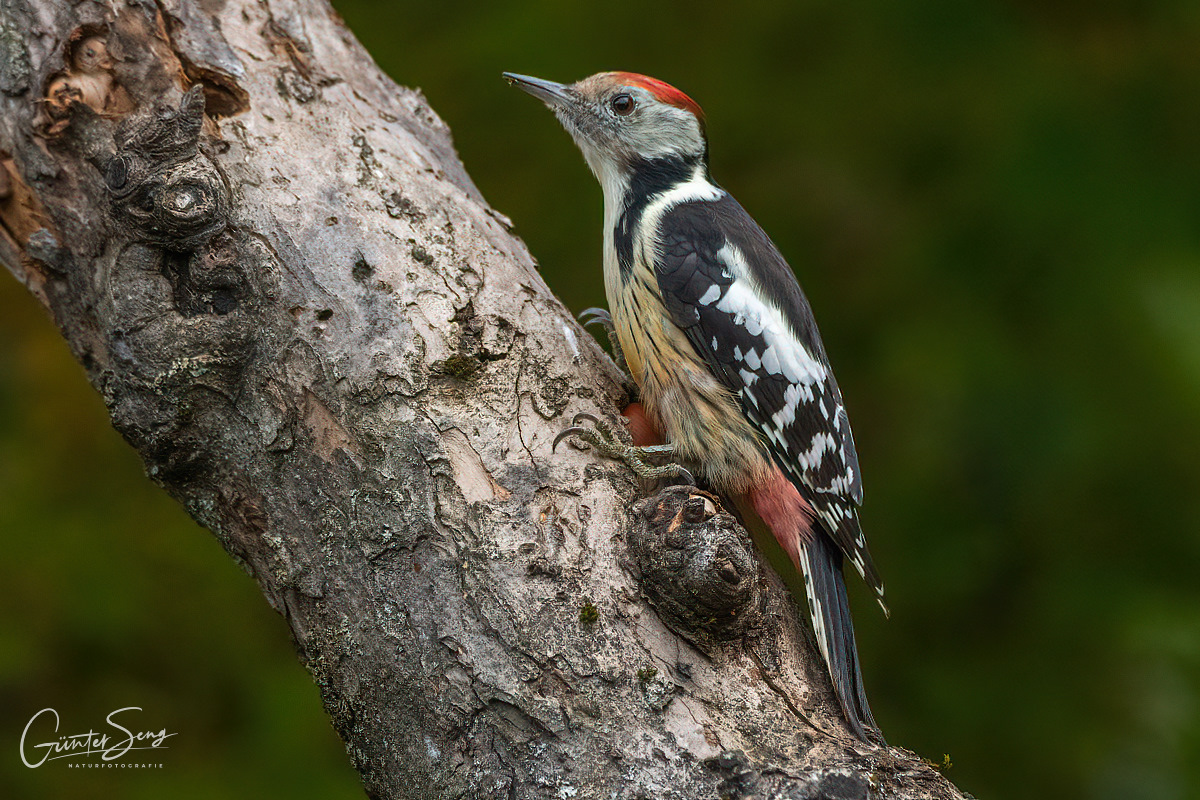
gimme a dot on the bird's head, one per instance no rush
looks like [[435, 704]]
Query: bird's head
[[622, 119]]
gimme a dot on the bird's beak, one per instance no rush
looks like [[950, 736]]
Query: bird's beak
[[573, 111], [552, 94]]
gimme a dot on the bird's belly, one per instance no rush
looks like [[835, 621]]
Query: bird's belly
[[682, 397]]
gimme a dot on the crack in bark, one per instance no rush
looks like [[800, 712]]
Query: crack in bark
[[787, 700], [520, 431]]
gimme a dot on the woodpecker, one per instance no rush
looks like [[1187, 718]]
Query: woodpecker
[[722, 345]]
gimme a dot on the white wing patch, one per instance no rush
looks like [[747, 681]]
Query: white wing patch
[[786, 356]]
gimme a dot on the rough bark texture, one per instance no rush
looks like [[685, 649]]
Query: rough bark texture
[[326, 346]]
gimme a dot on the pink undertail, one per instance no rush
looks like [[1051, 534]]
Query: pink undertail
[[641, 429], [786, 513], [776, 501]]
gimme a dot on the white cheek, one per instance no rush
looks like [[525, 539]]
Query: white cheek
[[666, 131]]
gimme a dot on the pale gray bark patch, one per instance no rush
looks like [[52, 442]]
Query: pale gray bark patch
[[323, 343]]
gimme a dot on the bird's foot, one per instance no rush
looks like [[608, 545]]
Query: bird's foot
[[601, 316], [603, 439]]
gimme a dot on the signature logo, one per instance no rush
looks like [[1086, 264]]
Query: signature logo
[[38, 746]]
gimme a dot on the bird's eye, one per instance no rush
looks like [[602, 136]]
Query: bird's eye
[[623, 104]]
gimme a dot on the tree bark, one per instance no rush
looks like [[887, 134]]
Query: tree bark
[[324, 344]]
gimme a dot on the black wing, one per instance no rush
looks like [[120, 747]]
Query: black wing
[[727, 286]]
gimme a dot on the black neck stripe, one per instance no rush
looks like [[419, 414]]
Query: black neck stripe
[[648, 179]]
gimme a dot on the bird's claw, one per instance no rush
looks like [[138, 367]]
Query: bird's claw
[[595, 315], [587, 434], [680, 473], [575, 430], [603, 439], [602, 317]]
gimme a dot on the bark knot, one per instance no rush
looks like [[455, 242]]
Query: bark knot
[[696, 565], [168, 194], [166, 190]]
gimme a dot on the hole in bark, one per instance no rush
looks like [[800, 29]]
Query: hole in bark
[[421, 254], [222, 98], [362, 271], [223, 301], [197, 287], [728, 572]]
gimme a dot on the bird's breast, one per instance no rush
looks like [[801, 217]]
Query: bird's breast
[[680, 394]]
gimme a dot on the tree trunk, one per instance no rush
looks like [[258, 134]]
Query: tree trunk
[[323, 343]]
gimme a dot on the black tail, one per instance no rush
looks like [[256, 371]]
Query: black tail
[[821, 563]]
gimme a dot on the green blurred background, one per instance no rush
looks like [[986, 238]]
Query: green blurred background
[[995, 211]]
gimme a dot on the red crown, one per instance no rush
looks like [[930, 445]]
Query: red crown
[[662, 90]]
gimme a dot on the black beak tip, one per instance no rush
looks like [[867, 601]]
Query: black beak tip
[[516, 79]]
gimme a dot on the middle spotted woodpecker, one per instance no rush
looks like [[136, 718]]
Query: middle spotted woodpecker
[[722, 345]]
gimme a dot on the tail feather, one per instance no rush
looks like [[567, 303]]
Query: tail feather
[[821, 563]]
